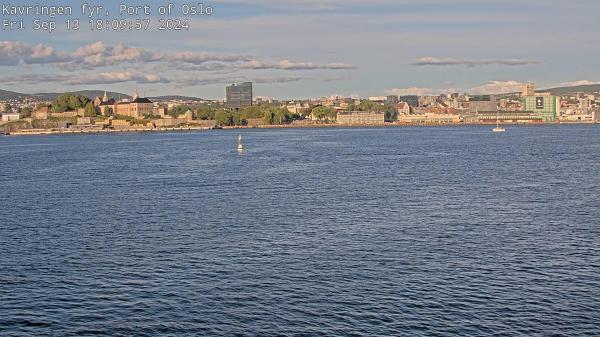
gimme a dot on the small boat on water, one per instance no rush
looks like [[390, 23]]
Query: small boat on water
[[498, 128], [240, 145]]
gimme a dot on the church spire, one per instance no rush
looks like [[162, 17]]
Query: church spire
[[105, 98]]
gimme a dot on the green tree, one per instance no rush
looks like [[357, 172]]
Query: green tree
[[223, 117], [69, 102], [391, 113], [268, 117], [323, 113], [237, 119], [90, 110], [8, 108], [26, 112], [178, 110], [280, 116], [205, 113], [106, 111], [253, 111]]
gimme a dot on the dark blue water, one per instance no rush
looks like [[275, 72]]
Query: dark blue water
[[341, 232]]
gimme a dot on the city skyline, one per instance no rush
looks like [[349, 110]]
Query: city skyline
[[312, 49]]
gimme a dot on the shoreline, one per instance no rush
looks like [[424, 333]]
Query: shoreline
[[38, 132]]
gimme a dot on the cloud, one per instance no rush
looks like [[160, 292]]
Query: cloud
[[15, 53], [31, 79], [87, 79], [490, 87], [336, 78], [118, 77], [435, 61], [497, 87], [413, 91], [291, 65], [99, 55], [193, 81], [199, 58]]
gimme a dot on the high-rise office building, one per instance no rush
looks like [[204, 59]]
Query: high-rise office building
[[239, 95], [545, 105], [528, 89]]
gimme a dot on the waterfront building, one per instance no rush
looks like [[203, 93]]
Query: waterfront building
[[528, 89], [10, 117], [482, 103], [239, 95], [360, 118], [435, 110], [297, 108], [41, 113], [141, 107], [577, 118], [429, 118], [122, 109], [504, 117], [402, 108], [138, 107], [545, 105]]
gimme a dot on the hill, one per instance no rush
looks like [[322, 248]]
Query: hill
[[87, 93], [8, 95], [51, 96], [176, 98], [588, 89]]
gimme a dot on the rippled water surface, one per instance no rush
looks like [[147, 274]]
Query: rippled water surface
[[341, 232]]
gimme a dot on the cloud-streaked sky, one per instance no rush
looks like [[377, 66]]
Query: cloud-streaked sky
[[310, 48]]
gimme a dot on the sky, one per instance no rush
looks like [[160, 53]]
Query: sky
[[309, 48]]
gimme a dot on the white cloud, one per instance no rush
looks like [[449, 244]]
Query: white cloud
[[87, 79], [497, 87], [98, 55], [491, 87], [291, 65], [194, 81], [435, 61], [118, 77]]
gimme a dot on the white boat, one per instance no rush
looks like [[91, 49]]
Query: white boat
[[240, 145], [498, 128]]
